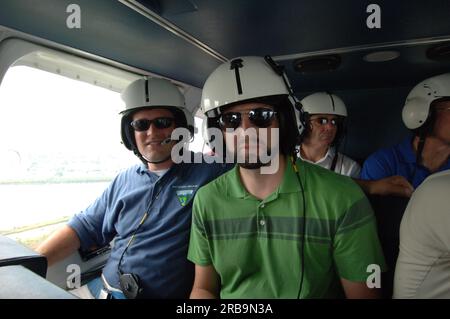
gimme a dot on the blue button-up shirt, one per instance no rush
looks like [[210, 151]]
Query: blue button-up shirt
[[397, 160], [158, 253]]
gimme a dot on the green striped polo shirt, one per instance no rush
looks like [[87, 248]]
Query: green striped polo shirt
[[255, 245]]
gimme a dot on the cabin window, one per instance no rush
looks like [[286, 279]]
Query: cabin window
[[198, 144], [60, 147]]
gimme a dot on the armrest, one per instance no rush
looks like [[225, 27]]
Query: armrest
[[14, 253], [19, 282]]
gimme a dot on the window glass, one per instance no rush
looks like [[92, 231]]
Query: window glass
[[60, 147], [198, 144]]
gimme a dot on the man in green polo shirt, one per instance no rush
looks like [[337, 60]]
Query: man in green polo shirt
[[300, 231]]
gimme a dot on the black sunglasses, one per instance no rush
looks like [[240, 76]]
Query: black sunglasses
[[325, 121], [261, 117], [159, 123]]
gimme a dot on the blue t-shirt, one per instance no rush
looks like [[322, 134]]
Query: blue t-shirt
[[158, 253], [397, 160]]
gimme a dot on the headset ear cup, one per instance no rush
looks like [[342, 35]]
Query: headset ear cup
[[290, 125], [299, 107], [126, 134], [428, 125], [304, 120], [431, 120]]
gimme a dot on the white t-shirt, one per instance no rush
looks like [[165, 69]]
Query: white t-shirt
[[344, 165], [160, 172], [423, 265]]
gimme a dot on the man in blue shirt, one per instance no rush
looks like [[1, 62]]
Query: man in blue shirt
[[427, 114], [147, 208]]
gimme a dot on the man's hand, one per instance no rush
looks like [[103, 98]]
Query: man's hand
[[392, 185]]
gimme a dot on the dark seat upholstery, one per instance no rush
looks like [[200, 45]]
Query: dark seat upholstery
[[14, 253], [389, 212], [18, 282]]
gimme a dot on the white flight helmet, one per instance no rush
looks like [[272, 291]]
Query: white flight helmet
[[244, 79], [324, 103], [417, 106], [152, 93]]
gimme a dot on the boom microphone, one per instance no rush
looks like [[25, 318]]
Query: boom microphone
[[166, 141]]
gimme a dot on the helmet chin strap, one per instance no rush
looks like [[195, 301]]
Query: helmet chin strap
[[155, 162]]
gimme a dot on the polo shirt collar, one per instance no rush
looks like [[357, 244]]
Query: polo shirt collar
[[328, 155], [235, 188], [142, 169]]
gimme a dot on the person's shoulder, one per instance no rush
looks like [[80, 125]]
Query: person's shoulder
[[133, 169], [128, 177], [349, 166], [217, 186], [440, 178], [336, 193], [221, 181], [324, 175], [430, 197], [332, 184], [130, 172], [387, 153], [348, 159], [206, 163], [382, 154], [383, 161], [434, 186]]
